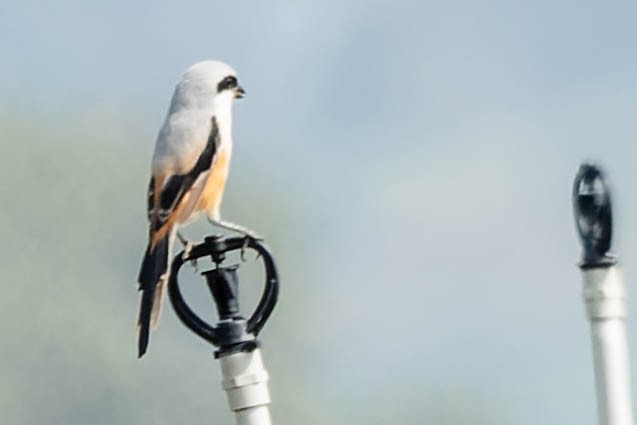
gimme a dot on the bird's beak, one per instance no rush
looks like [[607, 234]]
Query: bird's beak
[[239, 92]]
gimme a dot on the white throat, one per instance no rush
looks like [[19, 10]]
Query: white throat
[[223, 112]]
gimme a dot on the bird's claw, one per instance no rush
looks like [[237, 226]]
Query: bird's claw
[[186, 255], [246, 241], [193, 263]]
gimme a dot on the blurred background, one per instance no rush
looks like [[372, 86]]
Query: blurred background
[[409, 163]]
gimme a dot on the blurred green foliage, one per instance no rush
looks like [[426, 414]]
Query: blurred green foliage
[[74, 229]]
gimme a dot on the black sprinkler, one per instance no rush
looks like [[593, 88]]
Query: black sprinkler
[[593, 216], [233, 333]]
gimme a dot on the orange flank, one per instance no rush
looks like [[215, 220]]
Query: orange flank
[[210, 199], [209, 196]]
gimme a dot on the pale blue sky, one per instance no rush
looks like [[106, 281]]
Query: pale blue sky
[[427, 150]]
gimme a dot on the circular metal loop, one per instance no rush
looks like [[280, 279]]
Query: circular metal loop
[[216, 248]]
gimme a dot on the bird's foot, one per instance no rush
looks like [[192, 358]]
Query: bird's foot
[[236, 228], [246, 241], [248, 233], [187, 249]]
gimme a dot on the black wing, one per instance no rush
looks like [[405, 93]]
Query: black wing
[[178, 185]]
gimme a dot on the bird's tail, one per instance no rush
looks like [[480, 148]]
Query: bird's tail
[[152, 281]]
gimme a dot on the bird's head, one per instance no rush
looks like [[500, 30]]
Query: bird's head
[[208, 83]]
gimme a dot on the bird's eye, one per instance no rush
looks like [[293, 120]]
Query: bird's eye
[[227, 83]]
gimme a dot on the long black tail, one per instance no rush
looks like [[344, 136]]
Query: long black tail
[[151, 280]]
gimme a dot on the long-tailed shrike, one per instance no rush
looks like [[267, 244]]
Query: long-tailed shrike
[[189, 171]]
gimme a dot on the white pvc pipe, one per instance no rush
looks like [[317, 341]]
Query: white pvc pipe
[[245, 381], [604, 295]]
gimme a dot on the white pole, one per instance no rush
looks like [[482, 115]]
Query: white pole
[[604, 294], [245, 381], [244, 378]]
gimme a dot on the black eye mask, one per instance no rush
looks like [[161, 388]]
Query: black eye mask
[[229, 82]]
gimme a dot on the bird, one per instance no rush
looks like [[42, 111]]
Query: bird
[[188, 174]]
